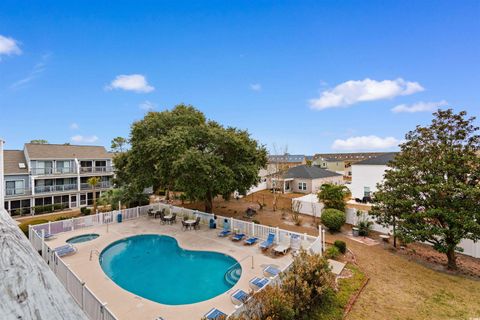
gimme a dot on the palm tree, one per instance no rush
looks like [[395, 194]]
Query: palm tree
[[93, 182], [333, 196]]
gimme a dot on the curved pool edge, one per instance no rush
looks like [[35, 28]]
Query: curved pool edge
[[187, 250]]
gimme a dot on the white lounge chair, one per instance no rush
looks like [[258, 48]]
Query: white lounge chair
[[258, 283], [282, 247], [239, 297]]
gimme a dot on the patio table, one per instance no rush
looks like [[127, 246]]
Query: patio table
[[190, 223]]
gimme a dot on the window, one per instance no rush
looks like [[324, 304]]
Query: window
[[366, 192], [15, 187], [302, 186]]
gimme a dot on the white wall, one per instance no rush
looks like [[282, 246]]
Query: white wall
[[365, 176]]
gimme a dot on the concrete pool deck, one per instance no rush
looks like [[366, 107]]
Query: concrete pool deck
[[126, 305]]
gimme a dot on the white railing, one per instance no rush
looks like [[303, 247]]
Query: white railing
[[53, 171], [103, 184], [58, 188], [103, 169], [91, 305]]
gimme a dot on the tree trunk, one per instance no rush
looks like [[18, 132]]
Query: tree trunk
[[94, 201], [394, 232], [208, 202], [452, 259]]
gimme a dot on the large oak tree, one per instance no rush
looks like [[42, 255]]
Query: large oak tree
[[432, 189], [180, 149]]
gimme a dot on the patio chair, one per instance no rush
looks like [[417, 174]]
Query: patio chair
[[268, 243], [258, 283], [251, 241], [185, 225], [151, 213], [65, 250], [225, 232], [283, 247], [238, 236], [215, 314], [196, 225], [271, 271], [239, 297], [174, 218], [159, 213]]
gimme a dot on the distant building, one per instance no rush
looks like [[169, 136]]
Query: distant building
[[280, 163], [303, 179], [54, 174], [342, 162], [368, 173]]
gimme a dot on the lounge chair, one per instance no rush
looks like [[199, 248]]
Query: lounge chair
[[258, 283], [251, 241], [238, 236], [48, 236], [282, 248], [215, 314], [239, 297], [225, 232], [268, 243], [65, 250], [271, 271]]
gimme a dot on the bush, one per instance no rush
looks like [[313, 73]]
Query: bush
[[332, 252], [364, 228], [24, 226], [333, 219], [85, 211], [341, 245]]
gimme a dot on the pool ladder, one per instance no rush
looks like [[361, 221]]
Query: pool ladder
[[94, 251]]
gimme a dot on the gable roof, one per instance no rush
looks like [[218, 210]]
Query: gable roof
[[308, 172], [63, 151], [290, 158], [11, 159], [380, 160]]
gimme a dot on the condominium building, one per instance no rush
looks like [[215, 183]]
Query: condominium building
[[54, 174]]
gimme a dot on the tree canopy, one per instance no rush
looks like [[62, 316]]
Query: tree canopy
[[119, 144], [432, 188], [180, 149], [39, 141]]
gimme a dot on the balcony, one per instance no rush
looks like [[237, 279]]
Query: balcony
[[57, 188], [101, 185], [96, 170], [9, 193], [53, 171]]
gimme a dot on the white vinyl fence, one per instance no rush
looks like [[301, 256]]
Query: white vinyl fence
[[86, 299], [469, 247]]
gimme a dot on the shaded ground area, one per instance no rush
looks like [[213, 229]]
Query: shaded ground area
[[399, 287]]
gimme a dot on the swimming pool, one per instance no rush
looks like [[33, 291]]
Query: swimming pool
[[83, 238], [156, 268]]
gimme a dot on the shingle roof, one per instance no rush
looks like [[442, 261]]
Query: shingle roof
[[286, 158], [11, 159], [62, 151], [308, 172], [382, 159]]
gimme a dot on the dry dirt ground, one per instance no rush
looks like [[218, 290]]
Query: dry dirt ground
[[400, 286]]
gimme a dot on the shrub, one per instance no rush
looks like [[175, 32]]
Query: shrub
[[364, 227], [24, 226], [333, 219], [341, 245], [332, 252], [256, 221], [62, 218], [85, 211]]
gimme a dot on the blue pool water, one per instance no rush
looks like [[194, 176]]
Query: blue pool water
[[156, 268], [83, 238]]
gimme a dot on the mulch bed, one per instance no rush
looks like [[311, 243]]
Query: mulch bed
[[427, 256]]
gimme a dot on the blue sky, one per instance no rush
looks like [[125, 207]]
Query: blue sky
[[315, 76]]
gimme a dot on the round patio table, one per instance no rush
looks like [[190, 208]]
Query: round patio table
[[190, 223]]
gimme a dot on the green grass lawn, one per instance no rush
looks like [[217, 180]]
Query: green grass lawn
[[333, 309]]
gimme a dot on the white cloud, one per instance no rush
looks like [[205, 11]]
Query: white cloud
[[132, 82], [84, 139], [354, 91], [74, 126], [9, 46], [365, 143], [147, 105], [256, 87], [36, 71], [419, 106]]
